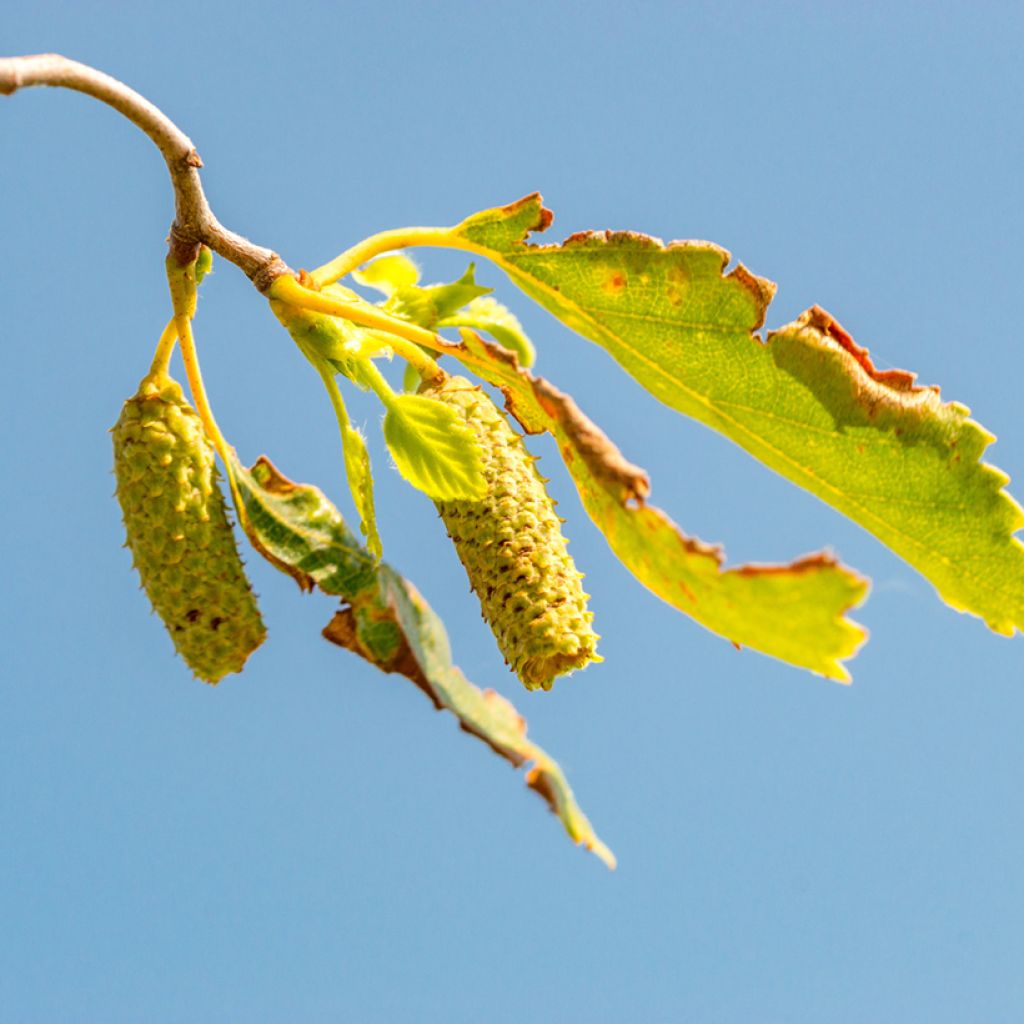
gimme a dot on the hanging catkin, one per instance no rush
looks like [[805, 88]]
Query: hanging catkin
[[513, 550], [178, 531]]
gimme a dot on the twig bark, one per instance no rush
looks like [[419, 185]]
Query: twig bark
[[194, 223]]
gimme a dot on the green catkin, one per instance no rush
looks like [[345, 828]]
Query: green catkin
[[182, 543], [513, 550]]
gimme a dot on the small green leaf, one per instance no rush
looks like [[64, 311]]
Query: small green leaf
[[388, 273], [384, 620], [808, 402], [357, 464], [488, 315], [360, 482], [428, 306], [433, 448]]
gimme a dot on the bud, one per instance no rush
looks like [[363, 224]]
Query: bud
[[178, 531], [512, 547]]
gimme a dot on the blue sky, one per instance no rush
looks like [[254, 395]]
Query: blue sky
[[310, 841]]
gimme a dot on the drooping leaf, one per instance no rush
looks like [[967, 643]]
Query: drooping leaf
[[384, 620], [809, 403], [433, 448], [490, 316], [360, 481], [794, 612]]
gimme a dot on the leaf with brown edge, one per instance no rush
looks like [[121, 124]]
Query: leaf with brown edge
[[384, 620], [807, 402], [794, 612]]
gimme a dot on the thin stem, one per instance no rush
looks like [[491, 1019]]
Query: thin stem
[[164, 350], [196, 386], [377, 383], [337, 402], [385, 241], [288, 289], [194, 222]]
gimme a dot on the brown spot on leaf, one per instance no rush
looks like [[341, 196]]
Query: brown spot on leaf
[[614, 283]]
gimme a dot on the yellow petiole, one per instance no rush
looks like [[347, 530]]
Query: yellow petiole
[[164, 350], [400, 238], [404, 337]]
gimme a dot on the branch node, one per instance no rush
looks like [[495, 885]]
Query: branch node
[[183, 247], [268, 272]]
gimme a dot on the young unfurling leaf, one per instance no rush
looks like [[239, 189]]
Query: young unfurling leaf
[[388, 273], [426, 306]]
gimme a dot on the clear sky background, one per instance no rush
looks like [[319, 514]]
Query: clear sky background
[[310, 841]]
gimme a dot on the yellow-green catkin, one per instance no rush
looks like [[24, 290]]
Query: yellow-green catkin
[[513, 550], [182, 543]]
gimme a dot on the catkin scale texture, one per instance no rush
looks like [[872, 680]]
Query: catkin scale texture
[[177, 529], [513, 550]]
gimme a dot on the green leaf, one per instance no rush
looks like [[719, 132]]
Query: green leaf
[[428, 306], [809, 403], [433, 448], [358, 471], [360, 481], [794, 612], [490, 316], [384, 620], [388, 273]]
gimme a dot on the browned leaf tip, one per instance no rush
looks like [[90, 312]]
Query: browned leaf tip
[[544, 215], [343, 631], [267, 475]]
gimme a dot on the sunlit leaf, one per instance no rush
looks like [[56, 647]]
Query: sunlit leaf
[[427, 306], [388, 273], [433, 448], [794, 612], [359, 473], [809, 403], [384, 620], [488, 315]]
